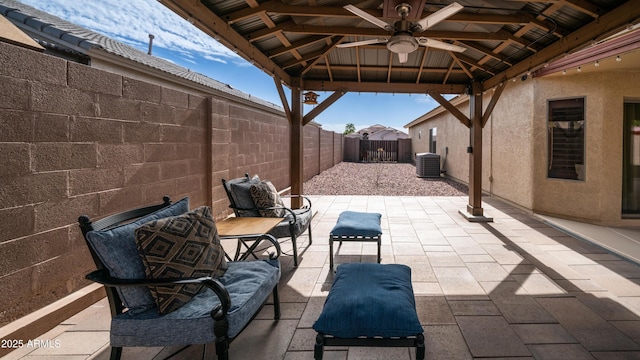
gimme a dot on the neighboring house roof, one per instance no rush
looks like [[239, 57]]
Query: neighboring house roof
[[379, 132], [11, 34], [60, 35], [458, 100]]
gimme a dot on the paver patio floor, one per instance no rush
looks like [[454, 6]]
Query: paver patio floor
[[513, 288]]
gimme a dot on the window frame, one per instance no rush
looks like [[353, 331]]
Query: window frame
[[433, 137], [549, 140]]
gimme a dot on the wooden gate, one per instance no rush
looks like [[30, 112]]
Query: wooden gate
[[357, 150], [378, 150]]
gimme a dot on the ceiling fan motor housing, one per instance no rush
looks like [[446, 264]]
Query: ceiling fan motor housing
[[402, 43]]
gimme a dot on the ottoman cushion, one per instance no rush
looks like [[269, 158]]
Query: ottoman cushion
[[357, 223], [370, 300]]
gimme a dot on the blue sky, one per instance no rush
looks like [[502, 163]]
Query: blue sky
[[180, 42]]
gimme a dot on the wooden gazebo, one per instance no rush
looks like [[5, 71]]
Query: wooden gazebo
[[399, 46]]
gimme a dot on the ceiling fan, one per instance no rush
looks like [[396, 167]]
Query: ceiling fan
[[402, 41]]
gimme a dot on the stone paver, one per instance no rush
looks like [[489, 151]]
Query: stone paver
[[445, 342], [491, 336], [543, 334], [560, 352], [592, 331], [514, 288], [515, 304]]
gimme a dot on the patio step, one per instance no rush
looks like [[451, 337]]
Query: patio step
[[31, 326]]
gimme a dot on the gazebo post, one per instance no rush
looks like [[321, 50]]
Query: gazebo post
[[296, 135], [474, 210]]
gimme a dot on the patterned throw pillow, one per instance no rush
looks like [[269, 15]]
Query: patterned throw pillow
[[265, 195], [181, 246]]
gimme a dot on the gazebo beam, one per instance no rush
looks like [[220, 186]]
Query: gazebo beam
[[323, 106]]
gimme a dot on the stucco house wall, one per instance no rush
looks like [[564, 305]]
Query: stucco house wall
[[515, 145], [452, 142], [598, 198], [508, 158]]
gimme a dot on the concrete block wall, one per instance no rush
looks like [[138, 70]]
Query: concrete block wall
[[247, 140], [311, 161], [323, 149], [76, 140], [326, 150], [338, 147]]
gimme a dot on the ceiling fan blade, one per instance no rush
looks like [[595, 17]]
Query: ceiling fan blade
[[362, 43], [370, 18], [438, 16], [440, 45], [403, 57]]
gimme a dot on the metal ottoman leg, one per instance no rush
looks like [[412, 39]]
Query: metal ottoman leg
[[331, 252], [420, 347], [318, 348]]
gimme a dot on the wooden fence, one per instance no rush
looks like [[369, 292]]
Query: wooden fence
[[357, 150], [378, 150]]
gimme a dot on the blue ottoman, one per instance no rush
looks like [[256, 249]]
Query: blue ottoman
[[356, 226], [370, 305]]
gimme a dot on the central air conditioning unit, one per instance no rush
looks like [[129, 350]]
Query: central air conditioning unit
[[428, 165]]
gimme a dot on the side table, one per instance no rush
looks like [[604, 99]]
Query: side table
[[246, 229]]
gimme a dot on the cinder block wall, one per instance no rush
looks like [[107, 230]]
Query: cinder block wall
[[338, 151], [311, 155], [327, 148], [322, 150], [76, 140]]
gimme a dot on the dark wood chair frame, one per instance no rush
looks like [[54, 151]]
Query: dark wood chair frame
[[218, 313]]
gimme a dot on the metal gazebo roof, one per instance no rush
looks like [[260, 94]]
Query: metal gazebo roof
[[503, 39]]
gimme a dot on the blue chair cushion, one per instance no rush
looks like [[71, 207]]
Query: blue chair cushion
[[353, 223], [370, 300], [241, 193], [283, 229], [249, 284], [116, 247]]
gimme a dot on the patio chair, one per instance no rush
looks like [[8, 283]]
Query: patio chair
[[246, 201], [198, 306]]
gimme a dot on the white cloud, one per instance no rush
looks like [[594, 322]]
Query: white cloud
[[132, 21], [215, 58], [431, 103], [428, 100]]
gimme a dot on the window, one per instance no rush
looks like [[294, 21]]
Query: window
[[566, 125], [631, 159], [432, 140]]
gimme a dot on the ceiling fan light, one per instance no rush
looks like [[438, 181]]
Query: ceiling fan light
[[402, 44]]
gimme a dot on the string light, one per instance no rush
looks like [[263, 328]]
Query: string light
[[618, 58], [564, 72], [579, 69], [597, 63]]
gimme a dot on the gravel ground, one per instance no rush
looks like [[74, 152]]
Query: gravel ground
[[387, 179]]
